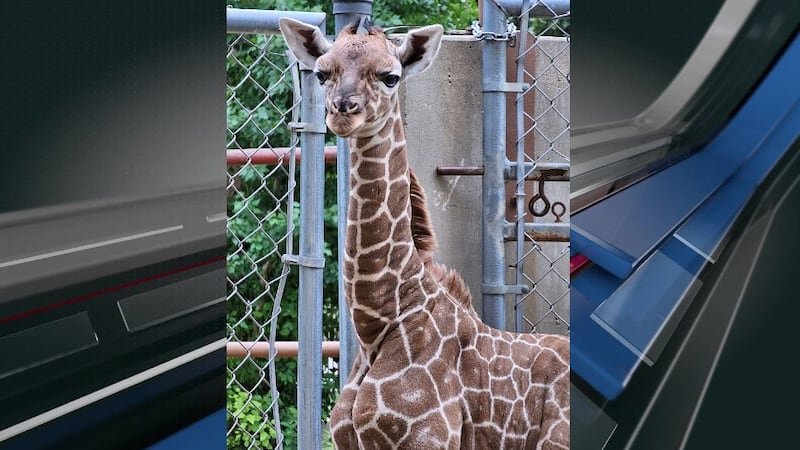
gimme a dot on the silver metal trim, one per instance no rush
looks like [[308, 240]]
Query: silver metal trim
[[216, 217], [110, 390], [80, 248]]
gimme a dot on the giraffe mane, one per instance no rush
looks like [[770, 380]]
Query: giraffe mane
[[452, 282], [421, 227], [425, 243]]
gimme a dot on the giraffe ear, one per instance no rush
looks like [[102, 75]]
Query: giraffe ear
[[305, 41], [419, 48]]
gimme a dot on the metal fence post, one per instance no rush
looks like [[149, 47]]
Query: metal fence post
[[344, 13], [494, 150], [310, 260], [540, 227], [519, 278]]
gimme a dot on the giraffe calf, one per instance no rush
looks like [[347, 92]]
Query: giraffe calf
[[429, 374]]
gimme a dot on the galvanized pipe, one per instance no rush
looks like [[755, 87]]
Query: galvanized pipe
[[550, 171], [519, 102], [345, 13], [493, 188], [544, 232], [310, 260], [349, 11], [541, 8], [256, 21]]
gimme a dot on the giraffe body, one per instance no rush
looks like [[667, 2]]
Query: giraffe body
[[430, 374]]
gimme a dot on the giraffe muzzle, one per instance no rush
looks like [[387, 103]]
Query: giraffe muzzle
[[344, 124], [346, 105], [346, 114]]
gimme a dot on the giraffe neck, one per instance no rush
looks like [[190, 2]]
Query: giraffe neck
[[381, 266]]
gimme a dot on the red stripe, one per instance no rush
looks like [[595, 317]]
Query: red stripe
[[577, 263], [92, 295]]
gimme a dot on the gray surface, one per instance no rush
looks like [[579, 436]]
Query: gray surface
[[173, 300], [51, 248], [52, 340]]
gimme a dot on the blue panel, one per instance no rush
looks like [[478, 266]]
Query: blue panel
[[618, 322], [595, 355], [706, 229], [601, 253], [207, 433], [637, 219], [643, 312]]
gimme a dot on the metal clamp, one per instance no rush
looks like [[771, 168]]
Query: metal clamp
[[305, 261], [518, 289], [510, 34], [306, 127]]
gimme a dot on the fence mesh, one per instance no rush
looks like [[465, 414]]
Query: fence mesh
[[261, 228], [539, 261]]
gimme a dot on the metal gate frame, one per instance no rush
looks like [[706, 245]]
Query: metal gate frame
[[309, 259]]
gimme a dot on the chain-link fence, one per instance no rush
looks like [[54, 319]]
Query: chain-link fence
[[263, 101], [538, 144], [279, 392], [261, 223]]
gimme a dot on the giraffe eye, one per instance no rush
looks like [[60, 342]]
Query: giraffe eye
[[322, 76], [390, 80]]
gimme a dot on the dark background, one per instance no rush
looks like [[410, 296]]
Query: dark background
[[103, 101], [622, 54], [110, 99]]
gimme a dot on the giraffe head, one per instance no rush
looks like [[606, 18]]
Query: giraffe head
[[361, 70]]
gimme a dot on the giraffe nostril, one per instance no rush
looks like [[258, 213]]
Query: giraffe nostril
[[352, 107], [346, 105]]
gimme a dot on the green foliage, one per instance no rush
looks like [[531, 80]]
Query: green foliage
[[451, 14], [251, 430], [549, 27], [256, 240]]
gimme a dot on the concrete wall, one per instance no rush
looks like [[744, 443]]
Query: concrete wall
[[443, 118], [442, 115]]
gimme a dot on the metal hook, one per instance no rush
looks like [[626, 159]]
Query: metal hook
[[539, 196]]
